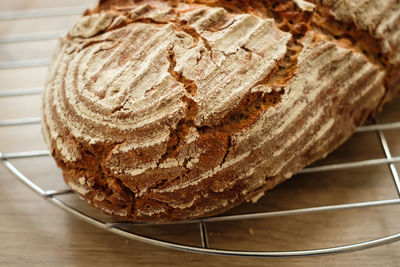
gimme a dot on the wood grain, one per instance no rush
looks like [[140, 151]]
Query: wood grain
[[35, 233]]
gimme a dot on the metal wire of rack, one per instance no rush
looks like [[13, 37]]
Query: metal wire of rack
[[53, 196]]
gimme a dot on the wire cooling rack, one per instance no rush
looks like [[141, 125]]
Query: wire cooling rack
[[117, 227]]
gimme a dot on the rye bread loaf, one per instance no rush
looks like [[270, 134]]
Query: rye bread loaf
[[168, 110]]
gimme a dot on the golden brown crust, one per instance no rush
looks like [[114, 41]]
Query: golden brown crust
[[168, 110]]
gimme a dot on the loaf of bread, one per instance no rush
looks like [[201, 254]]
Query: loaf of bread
[[169, 110]]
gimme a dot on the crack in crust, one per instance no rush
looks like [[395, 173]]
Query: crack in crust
[[177, 135], [189, 85]]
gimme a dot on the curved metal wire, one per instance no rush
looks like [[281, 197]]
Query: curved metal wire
[[51, 196]]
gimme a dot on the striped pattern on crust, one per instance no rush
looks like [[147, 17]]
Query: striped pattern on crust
[[159, 113]]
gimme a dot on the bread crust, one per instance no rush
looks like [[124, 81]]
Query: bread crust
[[169, 110]]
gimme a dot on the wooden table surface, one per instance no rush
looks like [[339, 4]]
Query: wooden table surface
[[35, 233]]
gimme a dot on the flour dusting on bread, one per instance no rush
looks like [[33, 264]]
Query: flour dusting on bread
[[169, 110]]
